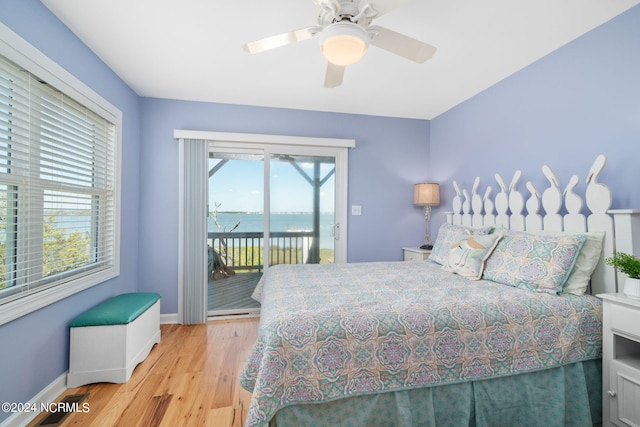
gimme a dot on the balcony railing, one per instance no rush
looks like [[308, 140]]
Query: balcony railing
[[244, 251]]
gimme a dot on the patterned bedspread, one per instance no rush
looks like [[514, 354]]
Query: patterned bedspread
[[333, 331]]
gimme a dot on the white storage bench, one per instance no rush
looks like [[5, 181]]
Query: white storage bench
[[108, 341]]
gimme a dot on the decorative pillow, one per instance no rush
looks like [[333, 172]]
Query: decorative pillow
[[468, 255], [448, 234], [535, 262], [587, 261]]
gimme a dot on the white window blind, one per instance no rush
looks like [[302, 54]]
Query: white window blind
[[57, 180]]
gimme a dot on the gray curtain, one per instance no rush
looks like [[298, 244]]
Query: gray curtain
[[193, 234]]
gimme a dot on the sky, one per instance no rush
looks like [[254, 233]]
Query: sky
[[239, 186]]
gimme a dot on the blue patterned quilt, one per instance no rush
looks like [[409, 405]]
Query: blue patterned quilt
[[333, 331]]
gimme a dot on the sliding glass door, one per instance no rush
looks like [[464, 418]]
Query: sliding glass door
[[268, 206], [302, 209], [235, 230]]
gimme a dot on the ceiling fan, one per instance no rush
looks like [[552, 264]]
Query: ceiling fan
[[345, 32]]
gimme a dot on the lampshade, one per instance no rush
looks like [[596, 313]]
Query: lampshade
[[426, 194], [344, 43]]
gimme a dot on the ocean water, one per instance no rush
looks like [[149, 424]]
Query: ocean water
[[252, 222], [248, 222]]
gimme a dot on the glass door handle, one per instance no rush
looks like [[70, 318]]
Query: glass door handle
[[336, 231]]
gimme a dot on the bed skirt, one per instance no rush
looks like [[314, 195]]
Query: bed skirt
[[568, 396]]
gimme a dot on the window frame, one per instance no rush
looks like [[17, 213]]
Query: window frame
[[18, 50]]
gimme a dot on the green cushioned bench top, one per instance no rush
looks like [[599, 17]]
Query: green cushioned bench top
[[119, 310]]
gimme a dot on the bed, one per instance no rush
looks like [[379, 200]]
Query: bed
[[437, 343]]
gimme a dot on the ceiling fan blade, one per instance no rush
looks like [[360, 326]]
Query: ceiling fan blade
[[281, 39], [383, 6], [334, 75], [405, 46]]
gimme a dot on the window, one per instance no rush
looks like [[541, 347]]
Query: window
[[58, 186]]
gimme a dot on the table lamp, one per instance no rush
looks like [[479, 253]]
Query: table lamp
[[426, 194]]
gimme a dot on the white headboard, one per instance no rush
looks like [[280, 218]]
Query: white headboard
[[543, 212]]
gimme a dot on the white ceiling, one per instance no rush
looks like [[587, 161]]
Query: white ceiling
[[191, 50]]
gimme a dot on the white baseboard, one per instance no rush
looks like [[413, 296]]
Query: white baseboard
[[172, 318], [46, 396], [168, 319]]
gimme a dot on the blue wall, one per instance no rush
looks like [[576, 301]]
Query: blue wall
[[565, 109], [390, 156], [35, 348]]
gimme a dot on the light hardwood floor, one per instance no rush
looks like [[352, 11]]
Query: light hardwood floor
[[189, 379]]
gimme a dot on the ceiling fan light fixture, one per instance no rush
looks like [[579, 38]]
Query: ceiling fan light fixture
[[344, 43]]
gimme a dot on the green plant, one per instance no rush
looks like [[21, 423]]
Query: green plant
[[627, 264]]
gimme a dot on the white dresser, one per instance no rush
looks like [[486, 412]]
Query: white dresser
[[621, 360]]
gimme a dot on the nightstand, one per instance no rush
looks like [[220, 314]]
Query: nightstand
[[415, 254], [620, 359]]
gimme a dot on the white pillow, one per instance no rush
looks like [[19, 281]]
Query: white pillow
[[587, 261]]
